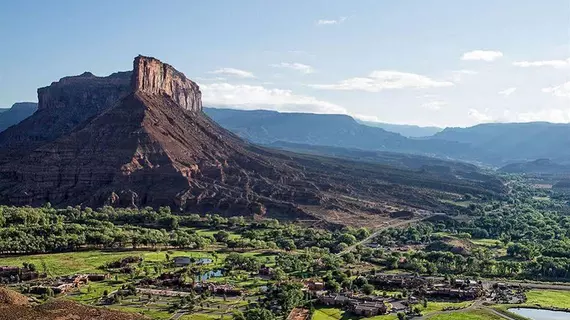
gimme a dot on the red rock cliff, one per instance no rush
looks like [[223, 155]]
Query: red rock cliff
[[152, 76]]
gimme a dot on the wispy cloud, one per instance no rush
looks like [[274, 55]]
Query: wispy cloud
[[562, 90], [324, 22], [303, 68], [459, 75], [480, 116], [482, 55], [434, 105], [507, 92], [384, 80], [256, 97], [564, 63], [233, 72]]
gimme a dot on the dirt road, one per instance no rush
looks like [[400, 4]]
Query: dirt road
[[384, 227]]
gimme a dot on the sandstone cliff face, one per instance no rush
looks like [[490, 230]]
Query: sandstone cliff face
[[151, 76], [86, 92], [62, 107]]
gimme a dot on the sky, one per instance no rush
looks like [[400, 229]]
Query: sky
[[429, 62]]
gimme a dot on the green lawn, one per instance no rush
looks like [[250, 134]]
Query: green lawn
[[433, 306], [337, 314], [549, 298], [327, 314], [470, 315], [59, 264], [486, 242]]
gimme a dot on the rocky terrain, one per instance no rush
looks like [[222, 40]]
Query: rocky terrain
[[14, 306], [140, 138]]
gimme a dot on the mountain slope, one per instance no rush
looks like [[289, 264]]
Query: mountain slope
[[500, 143], [18, 112], [410, 131], [62, 107], [151, 145], [266, 127]]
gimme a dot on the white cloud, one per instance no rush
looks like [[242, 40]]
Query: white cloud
[[209, 79], [562, 90], [258, 97], [434, 105], [384, 80], [233, 72], [543, 63], [480, 116], [323, 22], [303, 68], [507, 92], [550, 115], [482, 55], [364, 117]]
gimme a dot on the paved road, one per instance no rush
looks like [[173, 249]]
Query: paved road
[[178, 314], [166, 293], [388, 225]]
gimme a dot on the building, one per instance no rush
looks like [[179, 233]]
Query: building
[[314, 286], [337, 300], [265, 271], [98, 276], [369, 308], [182, 261]]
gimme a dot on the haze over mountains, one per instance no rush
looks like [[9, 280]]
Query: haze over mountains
[[494, 144], [410, 131]]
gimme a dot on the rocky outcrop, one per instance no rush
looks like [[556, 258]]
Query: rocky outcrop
[[152, 76], [63, 106], [86, 92]]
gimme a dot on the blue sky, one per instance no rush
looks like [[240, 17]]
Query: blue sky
[[429, 62]]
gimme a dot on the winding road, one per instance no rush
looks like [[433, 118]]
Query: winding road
[[387, 225]]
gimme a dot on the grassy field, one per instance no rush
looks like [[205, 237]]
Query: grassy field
[[60, 264], [337, 314], [470, 315], [549, 298], [486, 242], [433, 306]]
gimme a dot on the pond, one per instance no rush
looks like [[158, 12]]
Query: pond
[[204, 261], [209, 274], [541, 314]]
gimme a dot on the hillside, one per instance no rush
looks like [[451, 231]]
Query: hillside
[[265, 127], [148, 143], [410, 131], [539, 166], [500, 143], [14, 306], [18, 112]]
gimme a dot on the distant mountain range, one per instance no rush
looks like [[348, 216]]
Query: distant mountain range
[[267, 127], [18, 112], [513, 142], [406, 130], [495, 144]]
